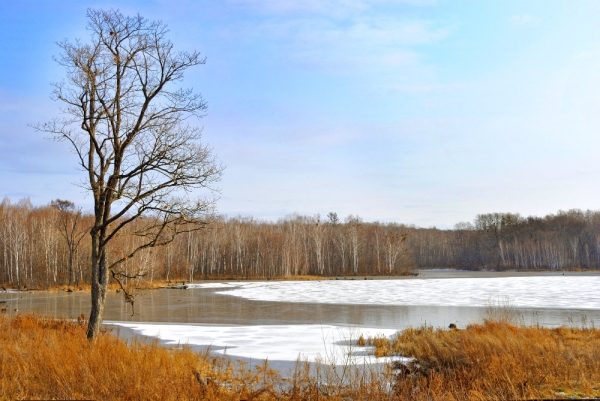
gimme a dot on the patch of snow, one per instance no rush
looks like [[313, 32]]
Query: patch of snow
[[333, 344]]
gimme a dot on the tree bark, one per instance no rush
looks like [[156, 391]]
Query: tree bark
[[99, 285]]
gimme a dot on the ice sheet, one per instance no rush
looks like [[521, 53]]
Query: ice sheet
[[526, 292], [288, 342], [211, 285], [333, 344]]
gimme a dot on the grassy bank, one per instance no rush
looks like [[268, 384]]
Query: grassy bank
[[497, 360], [156, 284], [51, 359]]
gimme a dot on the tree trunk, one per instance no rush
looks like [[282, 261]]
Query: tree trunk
[[99, 286], [70, 266]]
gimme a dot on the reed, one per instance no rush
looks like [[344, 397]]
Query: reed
[[45, 358], [497, 360]]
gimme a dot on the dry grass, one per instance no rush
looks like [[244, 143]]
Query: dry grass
[[156, 284], [43, 358], [133, 285], [497, 360], [71, 288], [273, 278]]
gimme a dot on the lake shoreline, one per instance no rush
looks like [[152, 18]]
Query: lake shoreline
[[418, 274]]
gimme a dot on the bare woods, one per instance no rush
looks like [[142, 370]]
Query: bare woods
[[48, 246]]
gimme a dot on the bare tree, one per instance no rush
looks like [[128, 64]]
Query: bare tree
[[394, 246], [128, 126], [355, 239], [318, 236], [69, 226], [333, 218]]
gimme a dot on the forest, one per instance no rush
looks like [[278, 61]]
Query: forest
[[49, 246]]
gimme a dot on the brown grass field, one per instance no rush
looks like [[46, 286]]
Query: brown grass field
[[43, 358], [497, 361]]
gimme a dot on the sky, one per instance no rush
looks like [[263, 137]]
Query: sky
[[417, 112]]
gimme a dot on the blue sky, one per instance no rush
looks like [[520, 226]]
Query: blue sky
[[420, 112]]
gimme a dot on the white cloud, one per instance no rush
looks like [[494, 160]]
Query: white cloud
[[524, 20], [374, 31], [331, 7], [363, 42], [427, 88]]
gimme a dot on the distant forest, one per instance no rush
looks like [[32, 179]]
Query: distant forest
[[49, 246]]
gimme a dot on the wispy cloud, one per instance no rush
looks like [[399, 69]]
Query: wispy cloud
[[331, 7], [524, 20], [427, 88], [343, 45]]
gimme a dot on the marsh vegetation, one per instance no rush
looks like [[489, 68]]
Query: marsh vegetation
[[51, 359]]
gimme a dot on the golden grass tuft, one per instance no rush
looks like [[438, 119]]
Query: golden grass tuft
[[383, 346], [361, 341]]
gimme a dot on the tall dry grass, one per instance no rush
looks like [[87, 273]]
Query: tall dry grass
[[43, 358], [497, 361]]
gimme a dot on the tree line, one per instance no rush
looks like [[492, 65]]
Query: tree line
[[567, 240], [48, 246]]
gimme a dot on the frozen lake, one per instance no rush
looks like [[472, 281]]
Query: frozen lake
[[282, 320], [522, 292]]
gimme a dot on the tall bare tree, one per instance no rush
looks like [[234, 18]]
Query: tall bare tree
[[70, 228], [127, 121]]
